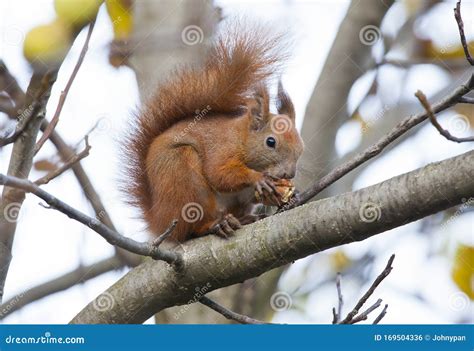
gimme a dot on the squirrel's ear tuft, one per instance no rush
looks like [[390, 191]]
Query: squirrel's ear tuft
[[284, 103], [259, 107]]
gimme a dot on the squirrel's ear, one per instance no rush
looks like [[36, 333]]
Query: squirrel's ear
[[284, 103], [259, 107]]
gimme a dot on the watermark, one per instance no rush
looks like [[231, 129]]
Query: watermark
[[458, 124], [370, 35], [370, 123], [370, 212], [47, 338], [199, 292], [458, 301], [466, 203], [281, 124], [11, 212], [104, 302], [192, 35], [280, 301], [198, 115], [192, 212], [12, 35]]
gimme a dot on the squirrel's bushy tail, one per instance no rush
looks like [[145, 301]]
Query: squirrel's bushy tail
[[238, 60]]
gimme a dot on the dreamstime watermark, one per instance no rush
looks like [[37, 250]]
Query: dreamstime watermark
[[458, 124], [192, 35], [281, 301], [370, 35], [104, 302], [458, 301], [12, 212], [466, 203], [199, 114], [370, 212], [199, 292], [12, 35], [370, 123], [281, 124], [192, 212]]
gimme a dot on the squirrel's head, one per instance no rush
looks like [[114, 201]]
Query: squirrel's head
[[274, 145]]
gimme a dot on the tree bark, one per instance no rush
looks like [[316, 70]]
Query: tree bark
[[211, 263]]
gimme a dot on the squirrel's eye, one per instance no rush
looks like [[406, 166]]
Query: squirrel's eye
[[271, 142]]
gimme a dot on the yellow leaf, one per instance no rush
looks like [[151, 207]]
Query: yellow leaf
[[463, 269], [120, 12], [47, 43], [340, 261], [77, 12]]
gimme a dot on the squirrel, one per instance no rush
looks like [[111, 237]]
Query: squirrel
[[205, 148]]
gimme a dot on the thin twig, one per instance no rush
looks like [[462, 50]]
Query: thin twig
[[240, 318], [370, 291], [363, 316], [457, 16], [159, 240], [64, 93], [114, 238], [424, 101], [339, 297], [404, 126], [381, 315], [466, 100], [67, 165]]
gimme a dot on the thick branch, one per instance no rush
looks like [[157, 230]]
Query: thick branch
[[286, 237]]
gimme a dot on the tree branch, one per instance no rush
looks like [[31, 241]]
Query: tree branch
[[240, 318], [114, 238], [66, 281], [352, 316], [424, 102], [20, 164], [67, 165], [286, 237], [374, 150], [457, 16], [62, 98]]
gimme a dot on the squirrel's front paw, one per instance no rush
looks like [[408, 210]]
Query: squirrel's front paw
[[227, 226], [266, 192]]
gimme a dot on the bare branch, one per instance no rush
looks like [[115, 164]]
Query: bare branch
[[114, 238], [338, 315], [365, 297], [64, 93], [240, 318], [67, 165], [159, 240], [457, 16], [66, 281], [9, 84], [374, 150], [363, 316], [424, 101], [466, 100], [381, 315]]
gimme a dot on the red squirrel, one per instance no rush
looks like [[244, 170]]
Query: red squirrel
[[205, 149]]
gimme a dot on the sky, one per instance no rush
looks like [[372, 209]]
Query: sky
[[48, 244]]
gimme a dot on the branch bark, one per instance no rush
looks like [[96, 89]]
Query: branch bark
[[286, 237]]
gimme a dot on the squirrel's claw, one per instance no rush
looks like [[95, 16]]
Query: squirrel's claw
[[227, 226], [266, 189]]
